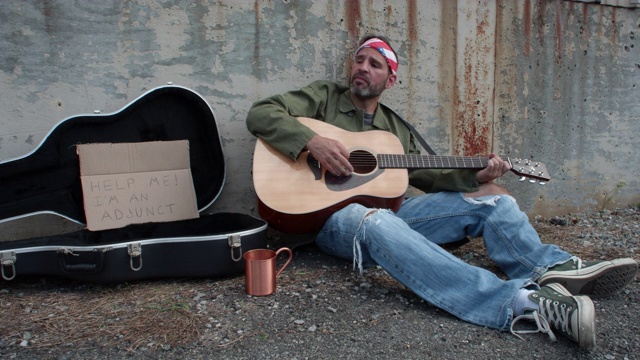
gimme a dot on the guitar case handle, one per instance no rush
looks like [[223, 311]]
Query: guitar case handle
[[85, 262]]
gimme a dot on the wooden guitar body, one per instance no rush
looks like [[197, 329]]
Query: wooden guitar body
[[298, 197]]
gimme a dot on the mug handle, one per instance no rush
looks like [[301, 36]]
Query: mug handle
[[288, 260]]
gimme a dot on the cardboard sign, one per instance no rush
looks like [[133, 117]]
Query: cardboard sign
[[134, 183]]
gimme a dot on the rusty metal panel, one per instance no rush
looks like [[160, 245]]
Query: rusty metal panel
[[556, 81], [566, 93]]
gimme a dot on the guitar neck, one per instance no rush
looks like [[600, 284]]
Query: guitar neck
[[522, 167], [400, 161]]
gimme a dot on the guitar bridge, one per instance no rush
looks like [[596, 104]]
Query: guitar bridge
[[314, 166]]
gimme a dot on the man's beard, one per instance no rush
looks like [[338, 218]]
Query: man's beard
[[368, 92]]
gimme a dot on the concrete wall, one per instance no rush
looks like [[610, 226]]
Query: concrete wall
[[556, 81]]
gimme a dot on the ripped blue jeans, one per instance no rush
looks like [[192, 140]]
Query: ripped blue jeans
[[406, 246]]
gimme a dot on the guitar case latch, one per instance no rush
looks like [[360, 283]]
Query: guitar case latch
[[8, 259], [235, 243], [135, 256]]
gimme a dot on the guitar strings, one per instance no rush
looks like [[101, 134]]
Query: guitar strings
[[431, 161]]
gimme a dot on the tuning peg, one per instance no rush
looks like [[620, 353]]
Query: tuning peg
[[522, 178], [542, 182]]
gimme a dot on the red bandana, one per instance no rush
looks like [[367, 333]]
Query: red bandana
[[384, 49]]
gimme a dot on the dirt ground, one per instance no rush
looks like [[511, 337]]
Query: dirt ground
[[322, 309]]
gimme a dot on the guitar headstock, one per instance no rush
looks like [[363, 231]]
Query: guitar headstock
[[529, 169]]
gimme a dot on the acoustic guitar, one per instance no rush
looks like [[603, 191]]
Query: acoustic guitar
[[299, 196]]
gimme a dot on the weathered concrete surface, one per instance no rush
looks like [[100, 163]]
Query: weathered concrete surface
[[556, 81]]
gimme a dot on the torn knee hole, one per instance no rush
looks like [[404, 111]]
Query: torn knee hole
[[370, 213]]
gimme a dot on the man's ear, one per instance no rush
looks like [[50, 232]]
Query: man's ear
[[390, 81]]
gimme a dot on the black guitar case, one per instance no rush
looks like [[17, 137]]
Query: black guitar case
[[47, 180]]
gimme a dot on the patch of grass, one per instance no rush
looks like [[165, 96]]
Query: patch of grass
[[132, 316], [607, 200]]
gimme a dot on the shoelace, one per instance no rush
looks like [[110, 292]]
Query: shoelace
[[541, 322], [558, 315], [549, 311], [577, 262]]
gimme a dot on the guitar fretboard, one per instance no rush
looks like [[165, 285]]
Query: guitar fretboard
[[431, 161]]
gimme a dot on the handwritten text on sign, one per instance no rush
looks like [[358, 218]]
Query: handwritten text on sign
[[133, 183], [138, 198]]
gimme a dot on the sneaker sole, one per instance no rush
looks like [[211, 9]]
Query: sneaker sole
[[586, 317], [599, 280]]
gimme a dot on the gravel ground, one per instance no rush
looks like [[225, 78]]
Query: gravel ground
[[322, 309]]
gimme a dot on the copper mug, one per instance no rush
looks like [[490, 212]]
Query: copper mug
[[260, 270]]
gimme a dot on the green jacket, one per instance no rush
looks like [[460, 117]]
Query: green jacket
[[274, 120]]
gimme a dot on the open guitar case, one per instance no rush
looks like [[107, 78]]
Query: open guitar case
[[47, 180]]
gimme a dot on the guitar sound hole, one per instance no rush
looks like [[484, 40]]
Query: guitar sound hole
[[363, 162]]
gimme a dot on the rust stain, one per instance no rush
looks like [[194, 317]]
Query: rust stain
[[585, 21], [48, 17], [256, 43], [472, 120], [474, 132], [527, 27], [412, 15], [614, 27], [388, 19], [448, 76], [412, 33], [558, 30], [353, 19], [541, 22]]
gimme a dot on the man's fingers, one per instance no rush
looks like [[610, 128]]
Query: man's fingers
[[338, 168]]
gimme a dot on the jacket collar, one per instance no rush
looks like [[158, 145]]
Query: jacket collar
[[346, 107]]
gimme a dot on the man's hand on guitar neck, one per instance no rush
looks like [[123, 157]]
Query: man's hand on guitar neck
[[331, 154], [496, 167]]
